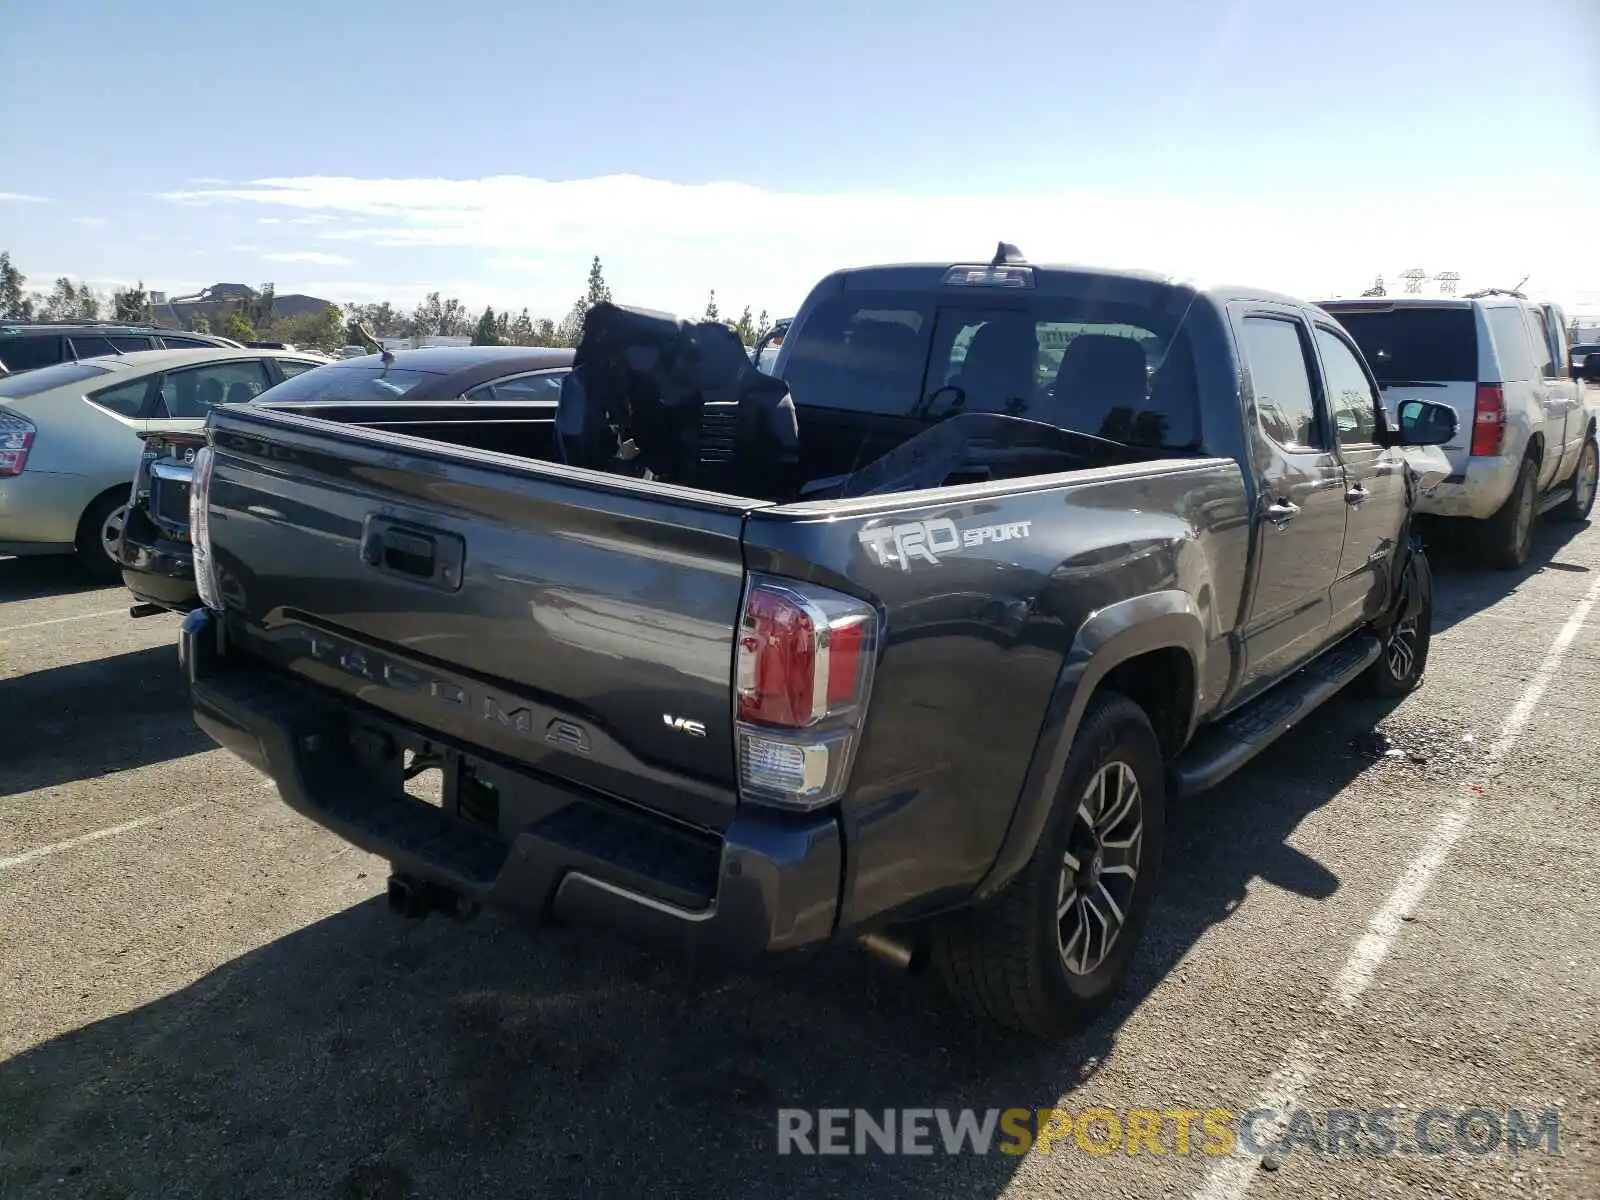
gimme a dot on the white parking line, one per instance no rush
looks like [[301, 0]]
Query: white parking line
[[1230, 1178], [110, 612], [28, 856]]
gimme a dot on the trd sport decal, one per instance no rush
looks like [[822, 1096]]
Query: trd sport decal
[[927, 540]]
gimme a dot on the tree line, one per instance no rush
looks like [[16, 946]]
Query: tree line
[[255, 319]]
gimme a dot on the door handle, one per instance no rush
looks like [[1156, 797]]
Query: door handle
[[1357, 495], [1281, 513]]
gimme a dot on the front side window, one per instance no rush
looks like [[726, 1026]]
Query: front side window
[[1351, 400], [129, 344], [191, 393], [1544, 359], [1280, 375]]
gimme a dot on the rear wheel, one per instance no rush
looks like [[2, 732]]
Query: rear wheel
[[1508, 534], [1049, 953], [1576, 506], [99, 533]]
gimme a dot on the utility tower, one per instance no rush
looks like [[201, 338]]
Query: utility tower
[[1377, 288], [1413, 278], [1447, 281]]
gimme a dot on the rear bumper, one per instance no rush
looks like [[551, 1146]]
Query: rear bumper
[[769, 882], [156, 569], [1477, 492]]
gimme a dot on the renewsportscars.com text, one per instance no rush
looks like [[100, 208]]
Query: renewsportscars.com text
[[1373, 1132]]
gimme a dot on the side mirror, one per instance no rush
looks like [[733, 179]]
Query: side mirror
[[1427, 423], [1589, 370]]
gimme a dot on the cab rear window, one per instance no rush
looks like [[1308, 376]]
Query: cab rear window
[[1118, 371]]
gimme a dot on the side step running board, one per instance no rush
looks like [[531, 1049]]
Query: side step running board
[[1238, 738], [1551, 499]]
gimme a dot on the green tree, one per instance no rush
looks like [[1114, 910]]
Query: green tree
[[570, 331], [323, 329], [544, 332], [599, 291], [238, 327], [763, 325], [260, 309], [384, 320], [711, 307], [199, 324], [522, 330], [15, 304], [487, 332], [132, 305], [745, 327]]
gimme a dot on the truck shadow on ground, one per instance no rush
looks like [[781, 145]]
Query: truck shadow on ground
[[89, 718], [364, 1057], [41, 578], [1468, 587]]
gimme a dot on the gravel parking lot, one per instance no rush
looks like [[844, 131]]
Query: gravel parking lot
[[202, 994]]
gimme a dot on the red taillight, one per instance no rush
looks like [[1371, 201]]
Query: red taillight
[[16, 439], [804, 670], [1488, 420]]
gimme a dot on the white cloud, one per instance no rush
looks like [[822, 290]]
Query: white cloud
[[665, 244], [92, 221], [311, 256], [23, 198]]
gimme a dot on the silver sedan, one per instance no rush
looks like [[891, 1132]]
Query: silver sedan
[[70, 437]]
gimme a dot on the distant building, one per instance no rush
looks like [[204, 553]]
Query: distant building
[[215, 302]]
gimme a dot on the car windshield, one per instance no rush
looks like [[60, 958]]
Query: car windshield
[[31, 383], [1425, 345], [342, 383]]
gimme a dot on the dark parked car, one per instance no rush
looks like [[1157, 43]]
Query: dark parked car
[[505, 389], [26, 347], [1031, 548]]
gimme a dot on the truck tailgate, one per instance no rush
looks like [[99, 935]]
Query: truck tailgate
[[583, 627]]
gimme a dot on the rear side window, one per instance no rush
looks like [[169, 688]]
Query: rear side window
[[30, 353], [16, 387], [545, 387], [1280, 376], [180, 343], [1544, 340], [93, 347], [861, 352], [1416, 345], [1512, 343], [126, 400]]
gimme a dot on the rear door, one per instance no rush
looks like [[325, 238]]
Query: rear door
[[1301, 506], [1421, 352]]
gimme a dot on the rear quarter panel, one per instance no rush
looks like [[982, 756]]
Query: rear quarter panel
[[979, 634]]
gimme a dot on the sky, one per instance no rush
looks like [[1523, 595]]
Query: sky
[[367, 151]]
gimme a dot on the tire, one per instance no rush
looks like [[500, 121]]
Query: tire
[[1403, 660], [1508, 534], [1007, 958], [1584, 479], [95, 555]]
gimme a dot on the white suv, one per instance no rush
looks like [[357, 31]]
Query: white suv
[[1527, 440]]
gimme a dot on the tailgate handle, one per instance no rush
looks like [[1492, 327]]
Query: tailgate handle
[[429, 556]]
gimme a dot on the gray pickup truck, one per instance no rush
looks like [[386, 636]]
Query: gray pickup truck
[[913, 653]]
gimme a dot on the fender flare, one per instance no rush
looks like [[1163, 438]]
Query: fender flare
[[1163, 620]]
